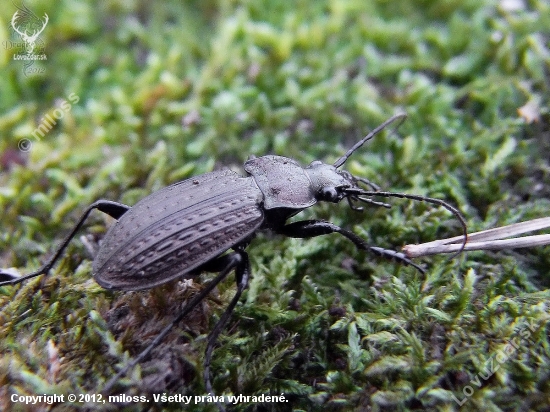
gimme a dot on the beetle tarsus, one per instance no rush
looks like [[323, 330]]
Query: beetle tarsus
[[397, 256]]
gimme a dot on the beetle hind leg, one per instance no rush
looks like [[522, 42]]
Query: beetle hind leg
[[113, 209], [313, 228]]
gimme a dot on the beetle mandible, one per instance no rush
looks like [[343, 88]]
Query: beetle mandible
[[186, 228]]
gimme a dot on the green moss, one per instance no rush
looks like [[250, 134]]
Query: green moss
[[167, 91]]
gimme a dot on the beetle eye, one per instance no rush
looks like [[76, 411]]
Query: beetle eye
[[329, 194], [316, 163]]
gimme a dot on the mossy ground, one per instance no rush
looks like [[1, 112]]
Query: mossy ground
[[175, 89]]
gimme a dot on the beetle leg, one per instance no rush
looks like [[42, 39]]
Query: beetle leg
[[241, 264], [113, 209], [238, 260], [312, 228]]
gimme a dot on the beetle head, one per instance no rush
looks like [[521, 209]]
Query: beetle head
[[332, 185], [327, 182]]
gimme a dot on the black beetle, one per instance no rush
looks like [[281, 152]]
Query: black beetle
[[187, 227]]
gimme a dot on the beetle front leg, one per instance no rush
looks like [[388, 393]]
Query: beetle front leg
[[313, 228], [113, 209]]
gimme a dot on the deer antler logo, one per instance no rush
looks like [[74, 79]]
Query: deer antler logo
[[30, 40]]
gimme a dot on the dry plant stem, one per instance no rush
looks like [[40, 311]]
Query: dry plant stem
[[491, 239]]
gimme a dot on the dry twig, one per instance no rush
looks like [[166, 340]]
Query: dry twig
[[492, 239]]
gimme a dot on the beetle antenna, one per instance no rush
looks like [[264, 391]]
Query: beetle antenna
[[342, 160], [357, 193]]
